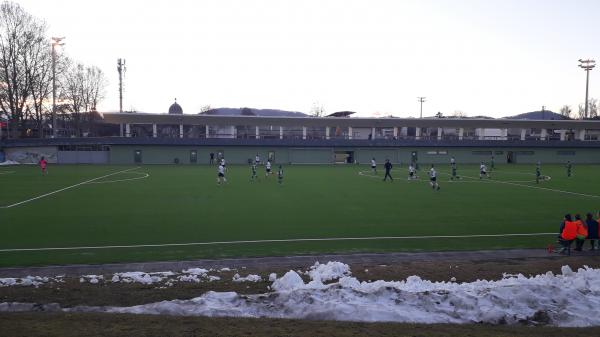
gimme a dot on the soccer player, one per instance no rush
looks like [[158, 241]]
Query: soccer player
[[411, 172], [433, 179], [254, 175], [569, 167], [538, 172], [454, 176], [223, 162], [388, 168], [211, 161], [268, 168], [280, 175], [374, 165], [257, 159], [221, 175], [43, 164], [452, 161], [483, 171], [492, 163]]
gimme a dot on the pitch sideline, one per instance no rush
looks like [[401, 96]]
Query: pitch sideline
[[278, 240]]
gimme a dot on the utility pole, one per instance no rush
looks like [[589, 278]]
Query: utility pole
[[587, 65], [56, 41], [421, 100], [121, 69]]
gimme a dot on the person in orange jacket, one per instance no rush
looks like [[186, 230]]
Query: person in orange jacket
[[582, 233], [568, 233]]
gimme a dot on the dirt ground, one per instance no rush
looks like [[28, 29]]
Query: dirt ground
[[72, 293]]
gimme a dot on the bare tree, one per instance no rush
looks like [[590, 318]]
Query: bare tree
[[459, 114], [22, 37], [317, 110], [592, 109], [83, 88], [206, 108], [566, 111], [247, 112]]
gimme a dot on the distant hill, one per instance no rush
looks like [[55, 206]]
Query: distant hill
[[539, 115], [252, 112]]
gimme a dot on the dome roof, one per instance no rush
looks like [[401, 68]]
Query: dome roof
[[175, 109]]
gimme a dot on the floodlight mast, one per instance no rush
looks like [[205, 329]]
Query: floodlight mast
[[56, 41], [587, 65]]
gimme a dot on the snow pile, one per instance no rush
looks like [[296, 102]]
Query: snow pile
[[272, 277], [9, 162], [566, 299], [249, 278], [93, 279], [28, 281], [329, 271], [140, 277]]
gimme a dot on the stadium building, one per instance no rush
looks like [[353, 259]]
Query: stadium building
[[174, 137]]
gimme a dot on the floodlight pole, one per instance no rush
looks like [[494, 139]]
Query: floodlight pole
[[421, 100], [56, 41], [587, 65]]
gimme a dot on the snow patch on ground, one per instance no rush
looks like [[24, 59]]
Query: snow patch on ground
[[9, 162], [93, 279], [249, 278], [28, 281]]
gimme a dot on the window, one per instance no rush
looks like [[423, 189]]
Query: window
[[482, 153], [437, 152], [525, 153]]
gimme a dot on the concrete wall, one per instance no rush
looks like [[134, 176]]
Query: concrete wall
[[83, 157], [123, 154]]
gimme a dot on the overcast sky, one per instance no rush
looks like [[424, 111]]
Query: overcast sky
[[482, 57]]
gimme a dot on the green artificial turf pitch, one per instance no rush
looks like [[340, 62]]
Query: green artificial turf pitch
[[155, 205]]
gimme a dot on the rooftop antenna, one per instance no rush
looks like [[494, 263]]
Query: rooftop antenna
[[421, 100]]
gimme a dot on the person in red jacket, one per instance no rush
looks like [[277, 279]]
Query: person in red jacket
[[43, 164], [568, 233]]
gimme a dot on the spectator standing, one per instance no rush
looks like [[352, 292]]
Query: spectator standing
[[592, 227]]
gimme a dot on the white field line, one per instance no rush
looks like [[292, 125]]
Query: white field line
[[280, 240], [6, 172], [142, 175], [534, 187], [65, 188], [461, 181]]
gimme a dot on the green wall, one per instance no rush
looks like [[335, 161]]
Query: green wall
[[123, 154]]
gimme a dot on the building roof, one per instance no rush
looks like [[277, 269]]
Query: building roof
[[175, 109], [149, 118]]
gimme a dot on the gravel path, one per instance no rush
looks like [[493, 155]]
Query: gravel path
[[283, 261]]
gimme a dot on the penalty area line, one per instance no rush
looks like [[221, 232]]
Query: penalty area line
[[278, 240], [66, 188]]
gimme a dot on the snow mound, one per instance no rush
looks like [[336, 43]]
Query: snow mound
[[93, 279], [329, 271], [9, 162], [139, 277], [28, 281], [566, 299], [249, 278], [272, 277]]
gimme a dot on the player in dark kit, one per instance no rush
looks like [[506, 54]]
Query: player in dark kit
[[569, 167], [388, 168], [254, 175], [280, 175], [538, 172]]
